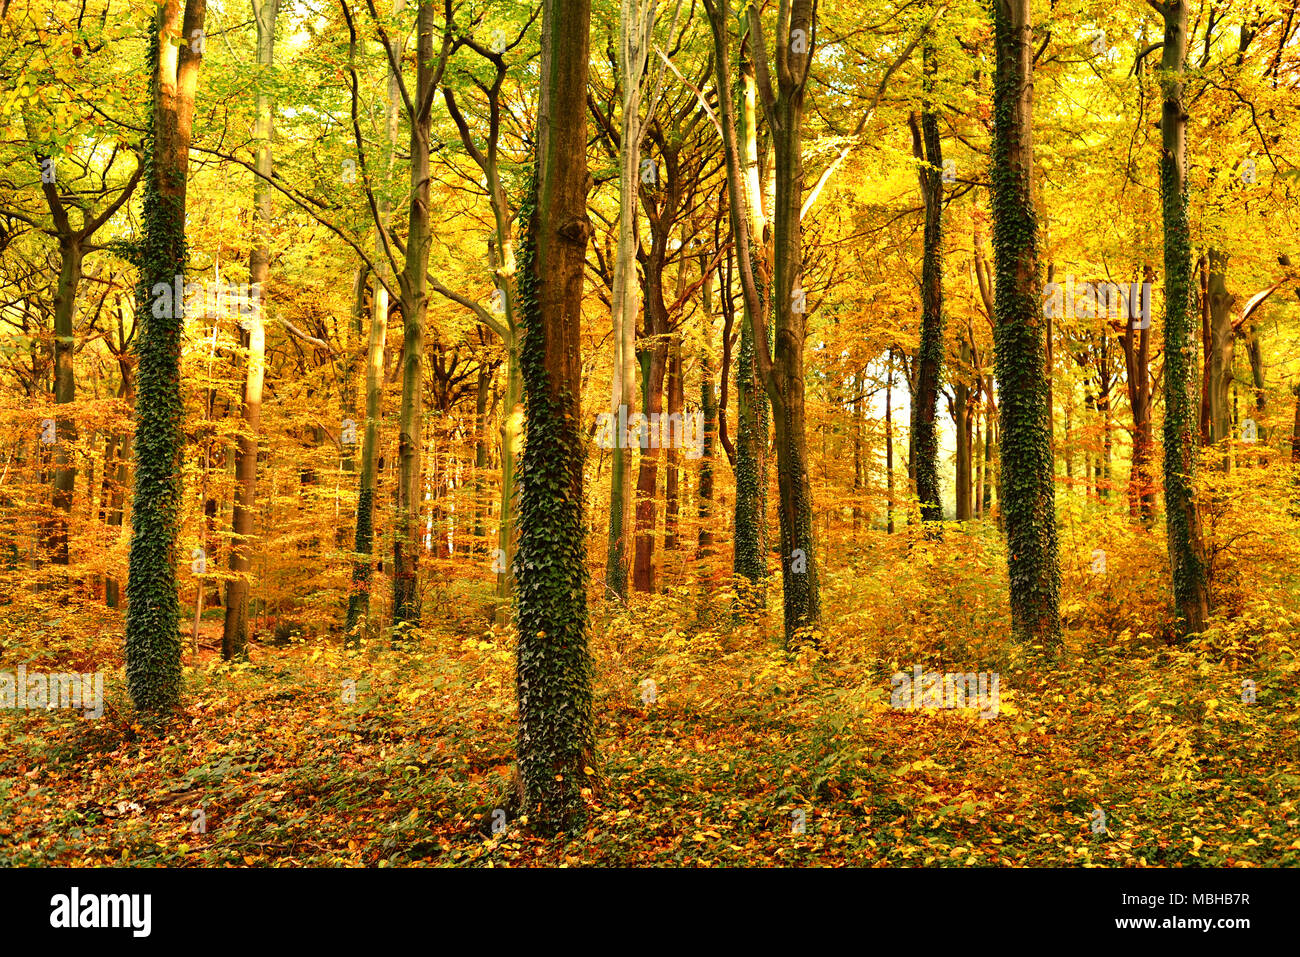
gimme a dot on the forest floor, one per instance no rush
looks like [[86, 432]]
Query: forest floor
[[269, 763]]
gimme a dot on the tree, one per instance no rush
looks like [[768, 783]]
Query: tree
[[505, 326], [1028, 493], [414, 283], [235, 628], [781, 371], [636, 24], [377, 337], [153, 646], [554, 667], [928, 151], [1186, 549]]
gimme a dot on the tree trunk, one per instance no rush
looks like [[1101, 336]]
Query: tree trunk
[[376, 341], [928, 152], [554, 667], [65, 392], [889, 446], [115, 493], [1220, 352], [636, 26], [654, 366], [1186, 550], [962, 422], [153, 646], [236, 627], [1137, 367], [415, 302], [748, 225], [672, 456], [1028, 492], [709, 408], [784, 374]]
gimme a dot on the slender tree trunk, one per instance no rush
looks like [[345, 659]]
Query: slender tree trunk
[[1137, 366], [415, 301], [636, 26], [364, 540], [655, 365], [482, 388], [977, 452], [962, 422], [928, 152], [709, 409], [1295, 430], [748, 224], [889, 446], [672, 456], [1207, 346], [859, 400], [236, 627], [65, 392], [116, 494], [1219, 356]]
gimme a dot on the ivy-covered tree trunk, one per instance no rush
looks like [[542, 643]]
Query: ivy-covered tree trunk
[[783, 372], [748, 224], [753, 412], [1027, 494], [1182, 521], [235, 628], [749, 560], [927, 149], [153, 644], [554, 669]]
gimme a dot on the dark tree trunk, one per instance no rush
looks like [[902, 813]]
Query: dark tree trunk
[[927, 149]]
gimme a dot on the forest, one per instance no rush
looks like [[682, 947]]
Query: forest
[[649, 433]]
